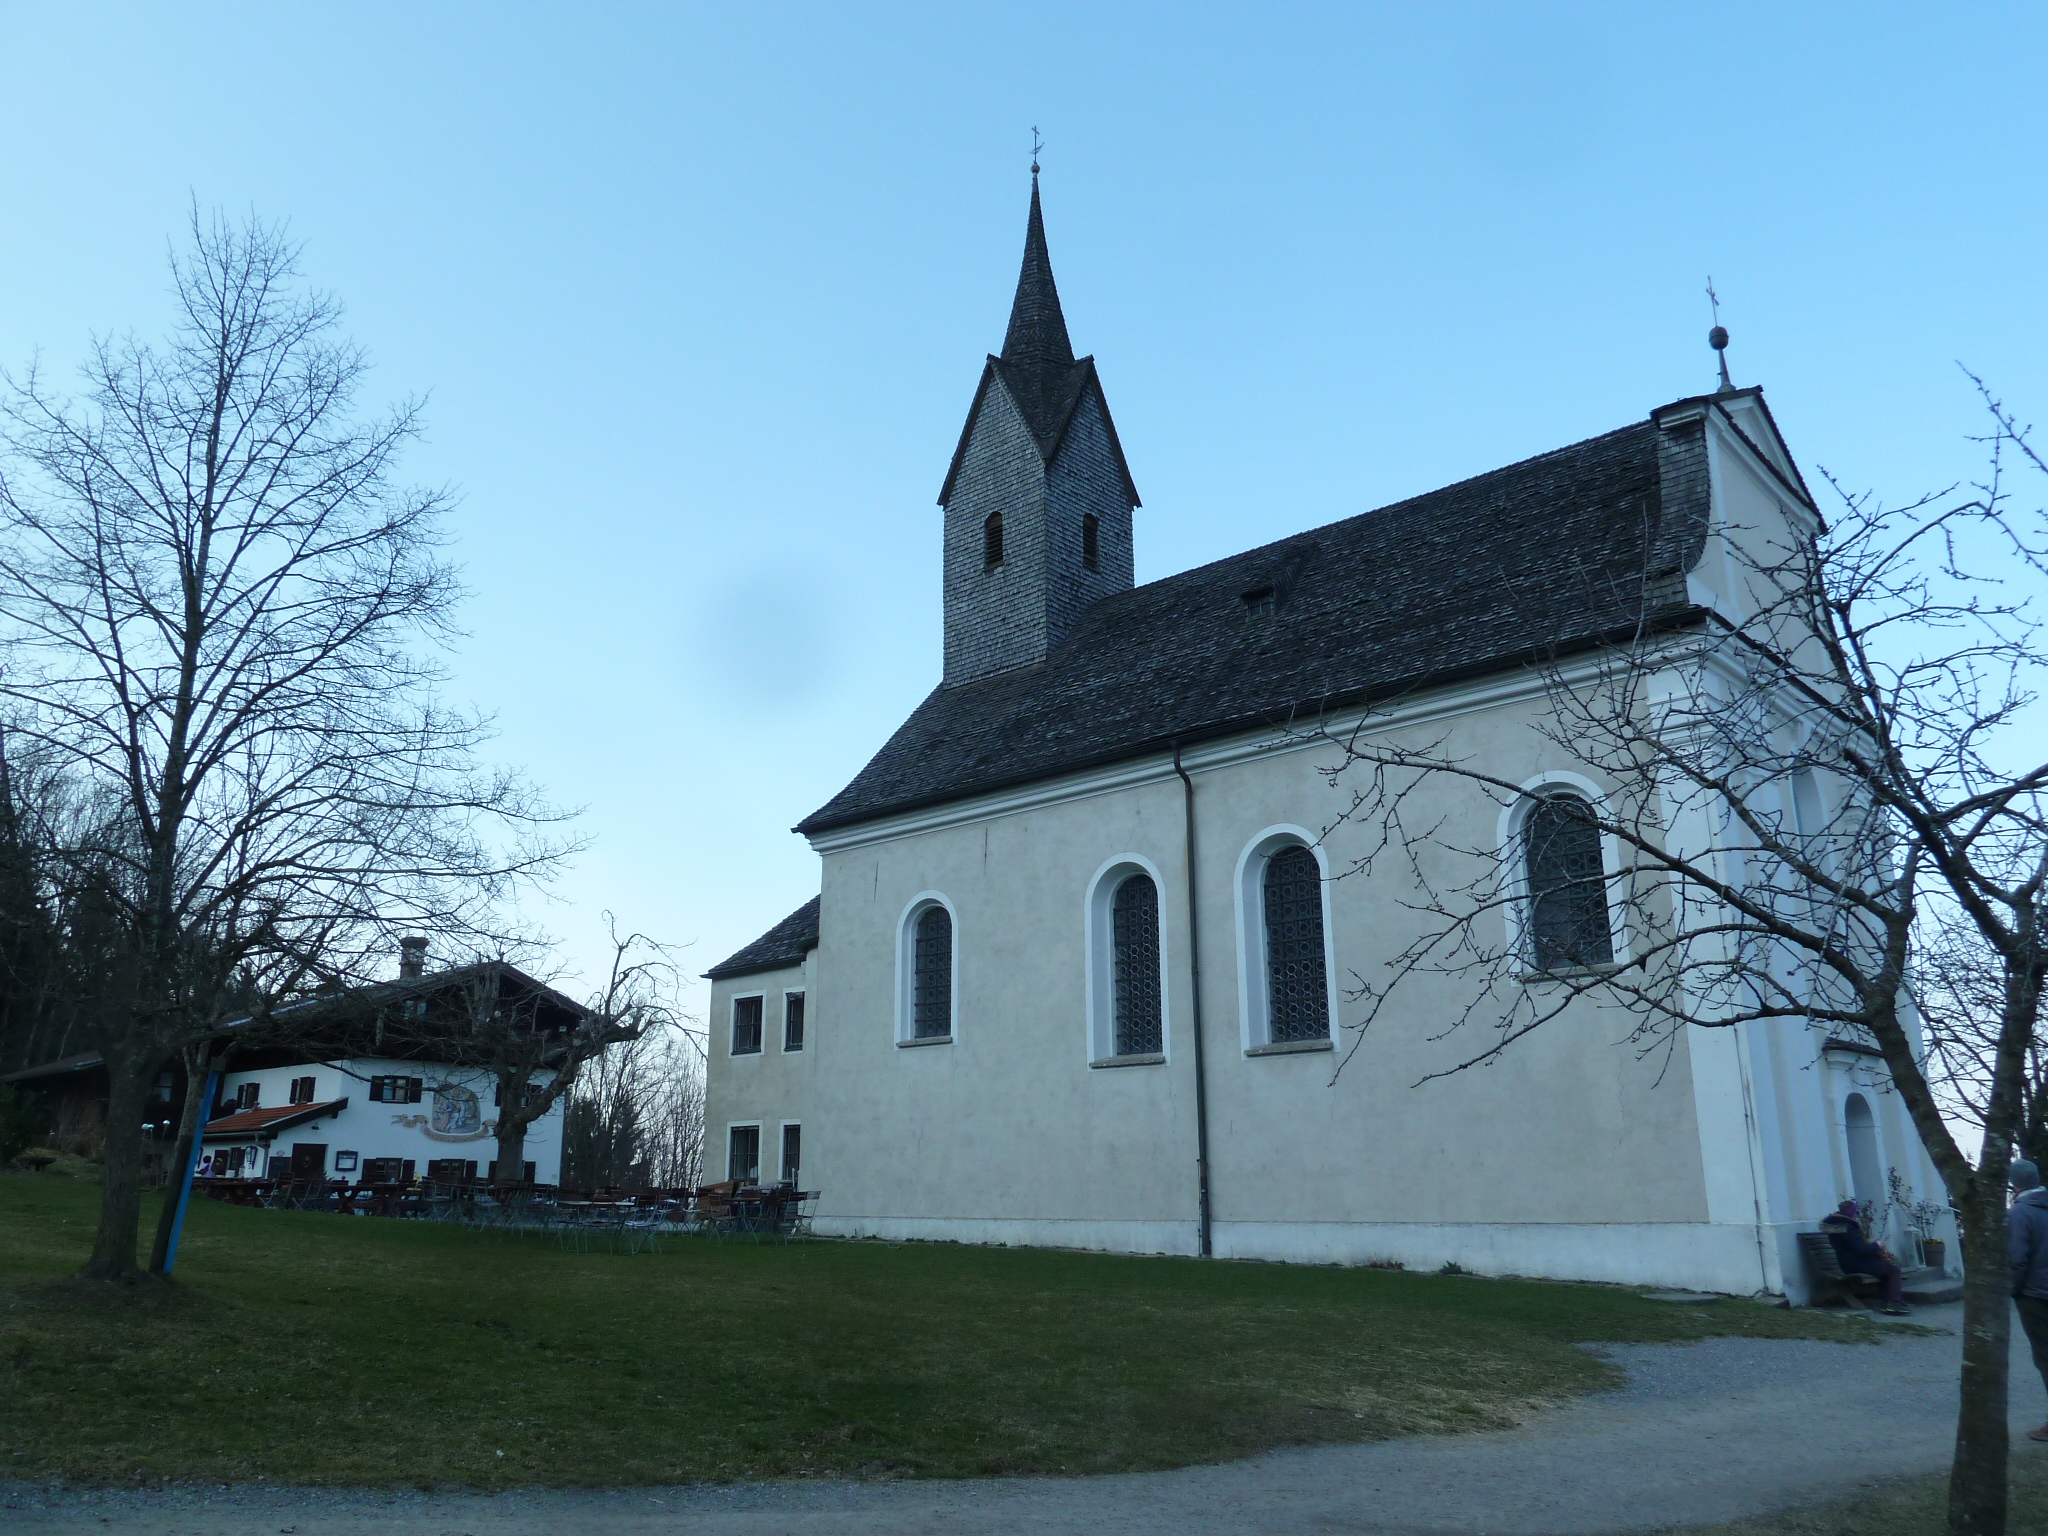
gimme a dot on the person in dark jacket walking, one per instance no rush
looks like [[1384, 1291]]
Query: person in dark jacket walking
[[2028, 1223], [1858, 1255]]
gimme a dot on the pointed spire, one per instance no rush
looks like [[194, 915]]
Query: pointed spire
[[1038, 331]]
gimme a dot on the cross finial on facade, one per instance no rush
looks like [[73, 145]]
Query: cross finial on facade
[[1717, 338], [1036, 145]]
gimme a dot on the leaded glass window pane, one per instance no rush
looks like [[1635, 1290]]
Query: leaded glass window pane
[[932, 974], [1297, 982], [1567, 886], [1134, 939]]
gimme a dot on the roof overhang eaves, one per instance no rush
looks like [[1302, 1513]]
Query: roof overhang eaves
[[756, 968], [1116, 444], [1686, 618], [282, 1123], [380, 992], [63, 1066], [988, 372]]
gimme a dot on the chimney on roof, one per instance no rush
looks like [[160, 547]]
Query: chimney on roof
[[412, 958]]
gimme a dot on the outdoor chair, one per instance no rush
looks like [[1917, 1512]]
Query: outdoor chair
[[1831, 1283], [796, 1213], [713, 1202]]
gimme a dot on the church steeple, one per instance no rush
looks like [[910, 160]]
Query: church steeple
[[1032, 538], [1038, 330]]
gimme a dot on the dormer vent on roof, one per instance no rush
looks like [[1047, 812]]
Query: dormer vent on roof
[[1038, 459]]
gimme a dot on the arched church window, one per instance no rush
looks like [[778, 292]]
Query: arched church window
[[992, 541], [1567, 885], [1091, 541], [1134, 953], [932, 974], [1297, 980]]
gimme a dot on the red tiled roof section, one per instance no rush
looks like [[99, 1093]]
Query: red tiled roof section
[[246, 1122]]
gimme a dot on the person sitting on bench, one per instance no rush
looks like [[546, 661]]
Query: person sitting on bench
[[1858, 1255]]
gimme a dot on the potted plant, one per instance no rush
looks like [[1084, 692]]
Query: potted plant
[[1922, 1219]]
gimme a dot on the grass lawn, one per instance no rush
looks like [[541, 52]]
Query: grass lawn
[[324, 1349]]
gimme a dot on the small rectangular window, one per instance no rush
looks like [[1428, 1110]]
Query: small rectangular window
[[248, 1095], [792, 1152], [792, 1021], [746, 1025], [743, 1155]]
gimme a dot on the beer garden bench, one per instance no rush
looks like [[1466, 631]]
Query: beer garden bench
[[1833, 1284]]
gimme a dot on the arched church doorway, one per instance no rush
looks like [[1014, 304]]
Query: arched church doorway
[[1866, 1169]]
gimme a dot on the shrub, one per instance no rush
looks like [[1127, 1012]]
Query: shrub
[[21, 1121]]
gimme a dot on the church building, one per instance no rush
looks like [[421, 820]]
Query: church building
[[1080, 968]]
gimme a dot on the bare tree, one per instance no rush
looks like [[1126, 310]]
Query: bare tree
[[1797, 783], [220, 614], [604, 1135], [673, 1114], [1960, 984], [534, 1049], [637, 1116]]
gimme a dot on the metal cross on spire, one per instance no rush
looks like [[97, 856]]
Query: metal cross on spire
[[1036, 145], [1717, 338]]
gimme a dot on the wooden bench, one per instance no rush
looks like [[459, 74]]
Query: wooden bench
[[1832, 1284]]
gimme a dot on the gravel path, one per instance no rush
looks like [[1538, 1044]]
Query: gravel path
[[1702, 1432]]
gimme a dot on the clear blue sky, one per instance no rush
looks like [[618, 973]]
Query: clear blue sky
[[700, 297]]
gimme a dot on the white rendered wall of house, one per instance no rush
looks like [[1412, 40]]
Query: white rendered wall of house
[[395, 1130], [769, 1088], [1007, 1132]]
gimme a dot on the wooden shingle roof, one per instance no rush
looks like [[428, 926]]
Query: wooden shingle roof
[[783, 945], [1556, 553]]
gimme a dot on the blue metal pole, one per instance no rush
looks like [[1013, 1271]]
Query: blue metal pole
[[191, 1167]]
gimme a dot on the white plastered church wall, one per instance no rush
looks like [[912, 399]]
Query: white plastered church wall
[[1770, 1098], [1007, 1135]]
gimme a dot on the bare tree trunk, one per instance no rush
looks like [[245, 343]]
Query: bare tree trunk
[[1977, 1482], [113, 1247], [511, 1152], [198, 1073]]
